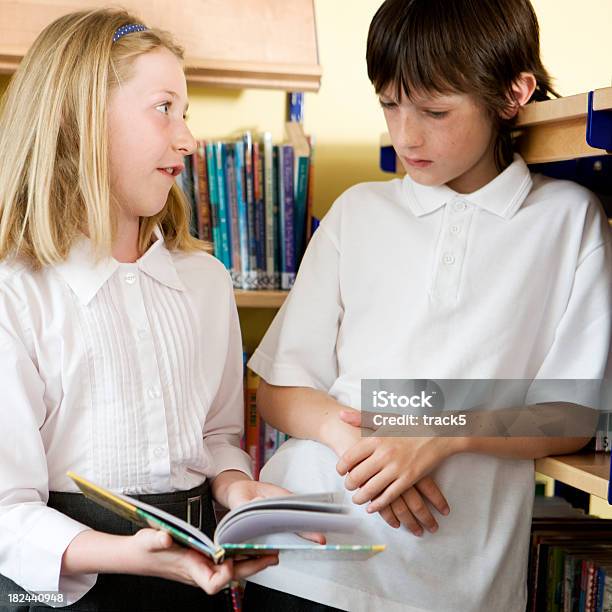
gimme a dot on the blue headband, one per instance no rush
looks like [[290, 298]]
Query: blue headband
[[128, 29]]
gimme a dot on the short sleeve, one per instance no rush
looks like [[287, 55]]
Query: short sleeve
[[580, 351], [299, 348]]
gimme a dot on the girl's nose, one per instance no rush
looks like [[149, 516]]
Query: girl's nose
[[185, 142]]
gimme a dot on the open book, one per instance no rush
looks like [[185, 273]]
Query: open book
[[320, 512]]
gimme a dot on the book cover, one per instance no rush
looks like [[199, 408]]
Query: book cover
[[320, 512]]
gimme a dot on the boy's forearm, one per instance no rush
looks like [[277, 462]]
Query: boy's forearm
[[301, 412], [520, 447]]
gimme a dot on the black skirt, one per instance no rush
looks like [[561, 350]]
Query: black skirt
[[122, 592]]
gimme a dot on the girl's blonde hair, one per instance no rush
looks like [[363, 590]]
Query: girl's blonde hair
[[54, 166]]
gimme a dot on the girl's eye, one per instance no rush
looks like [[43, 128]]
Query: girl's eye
[[437, 114], [166, 106], [387, 104]]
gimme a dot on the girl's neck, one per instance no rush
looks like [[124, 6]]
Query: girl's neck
[[125, 245]]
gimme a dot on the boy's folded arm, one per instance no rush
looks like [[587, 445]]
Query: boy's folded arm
[[306, 413]]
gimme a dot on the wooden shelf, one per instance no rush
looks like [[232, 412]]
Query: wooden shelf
[[259, 299], [268, 44], [555, 130], [589, 472]]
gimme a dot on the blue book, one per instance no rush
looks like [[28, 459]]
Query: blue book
[[249, 192], [295, 103], [286, 216], [241, 206], [213, 196], [301, 200], [272, 278], [260, 214], [224, 235]]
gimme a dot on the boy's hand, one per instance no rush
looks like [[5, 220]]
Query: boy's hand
[[243, 491], [411, 507], [385, 468]]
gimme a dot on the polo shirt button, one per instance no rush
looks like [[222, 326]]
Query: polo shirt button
[[448, 259], [130, 278], [159, 451], [455, 229]]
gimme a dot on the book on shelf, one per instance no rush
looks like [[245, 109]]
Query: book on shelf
[[319, 512], [570, 560], [252, 200]]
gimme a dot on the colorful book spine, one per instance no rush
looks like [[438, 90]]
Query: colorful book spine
[[188, 188], [213, 197], [295, 106], [249, 192], [243, 223], [232, 214], [270, 194], [286, 216], [253, 425], [224, 228], [301, 203], [203, 194], [310, 193], [260, 215]]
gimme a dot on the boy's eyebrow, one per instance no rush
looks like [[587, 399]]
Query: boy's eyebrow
[[175, 95]]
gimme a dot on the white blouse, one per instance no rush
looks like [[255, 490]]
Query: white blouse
[[129, 374]]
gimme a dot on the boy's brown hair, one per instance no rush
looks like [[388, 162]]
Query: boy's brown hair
[[477, 47]]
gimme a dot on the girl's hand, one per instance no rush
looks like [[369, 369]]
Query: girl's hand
[[153, 553], [243, 491], [383, 468]]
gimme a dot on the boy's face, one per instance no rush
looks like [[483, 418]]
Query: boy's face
[[441, 139], [148, 134]]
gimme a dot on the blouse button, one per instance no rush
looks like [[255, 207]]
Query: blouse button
[[455, 229], [460, 206], [448, 259], [159, 451], [130, 278]]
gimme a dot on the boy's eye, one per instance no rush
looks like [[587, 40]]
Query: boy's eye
[[165, 106], [437, 114]]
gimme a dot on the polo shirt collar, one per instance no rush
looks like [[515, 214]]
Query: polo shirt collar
[[503, 196], [86, 276]]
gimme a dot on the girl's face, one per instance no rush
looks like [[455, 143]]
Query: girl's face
[[441, 139], [148, 136]]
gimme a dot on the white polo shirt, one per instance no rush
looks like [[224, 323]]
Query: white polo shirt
[[403, 280]]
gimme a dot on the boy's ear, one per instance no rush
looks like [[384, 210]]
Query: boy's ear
[[520, 93]]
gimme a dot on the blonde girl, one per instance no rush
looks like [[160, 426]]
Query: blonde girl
[[120, 351]]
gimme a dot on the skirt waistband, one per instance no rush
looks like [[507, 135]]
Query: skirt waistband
[[194, 506]]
